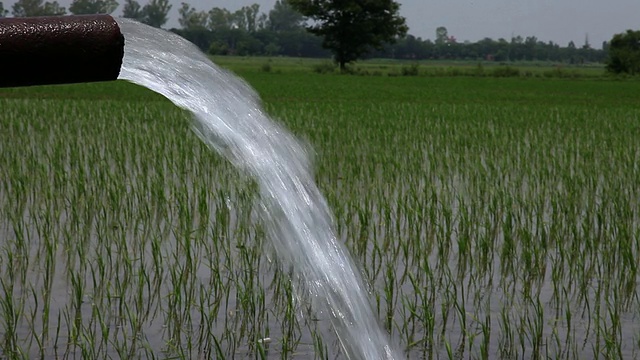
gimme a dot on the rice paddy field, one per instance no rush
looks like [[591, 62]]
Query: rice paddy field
[[492, 218]]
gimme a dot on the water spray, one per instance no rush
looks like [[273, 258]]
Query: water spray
[[52, 50]]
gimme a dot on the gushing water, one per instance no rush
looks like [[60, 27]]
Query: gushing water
[[228, 117]]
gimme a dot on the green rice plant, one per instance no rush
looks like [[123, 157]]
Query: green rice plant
[[491, 218]]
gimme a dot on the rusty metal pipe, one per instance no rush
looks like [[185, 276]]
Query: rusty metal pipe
[[59, 50]]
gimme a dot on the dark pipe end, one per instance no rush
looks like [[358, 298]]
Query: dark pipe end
[[59, 50]]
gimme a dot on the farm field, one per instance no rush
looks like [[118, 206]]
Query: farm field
[[491, 218]]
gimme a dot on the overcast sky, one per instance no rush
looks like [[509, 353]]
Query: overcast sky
[[549, 20]]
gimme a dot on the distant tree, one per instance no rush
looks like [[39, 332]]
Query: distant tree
[[26, 8], [624, 53], [3, 12], [234, 41], [193, 25], [79, 7], [220, 19], [247, 17], [53, 9], [132, 10], [283, 17], [443, 48], [352, 28], [156, 12], [570, 52], [229, 31], [587, 44], [442, 35], [409, 47], [192, 19], [530, 47], [263, 20], [238, 20], [502, 50], [272, 49]]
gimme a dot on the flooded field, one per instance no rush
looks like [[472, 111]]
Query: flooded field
[[501, 226]]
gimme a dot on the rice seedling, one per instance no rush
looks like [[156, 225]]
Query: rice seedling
[[488, 223]]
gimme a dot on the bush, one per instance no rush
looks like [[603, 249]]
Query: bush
[[505, 71], [560, 72], [455, 71], [325, 67], [411, 70]]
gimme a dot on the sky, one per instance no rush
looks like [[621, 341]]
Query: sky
[[559, 21]]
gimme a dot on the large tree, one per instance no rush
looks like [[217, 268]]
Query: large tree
[[624, 53], [3, 12], [26, 8], [79, 7], [352, 28]]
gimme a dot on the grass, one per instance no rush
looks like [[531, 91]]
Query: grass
[[491, 218]]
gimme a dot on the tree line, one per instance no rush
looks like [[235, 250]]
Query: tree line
[[282, 32], [502, 50], [248, 31], [154, 13], [348, 30]]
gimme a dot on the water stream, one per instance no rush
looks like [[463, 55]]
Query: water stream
[[228, 117]]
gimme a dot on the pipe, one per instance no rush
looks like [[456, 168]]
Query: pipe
[[59, 50]]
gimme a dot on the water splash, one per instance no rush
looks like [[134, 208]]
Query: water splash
[[229, 118]]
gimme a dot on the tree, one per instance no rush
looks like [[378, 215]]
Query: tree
[[442, 35], [624, 53], [3, 12], [247, 17], [193, 25], [132, 10], [220, 19], [352, 28], [192, 19], [284, 18], [587, 44], [27, 8], [530, 43], [155, 13], [79, 7]]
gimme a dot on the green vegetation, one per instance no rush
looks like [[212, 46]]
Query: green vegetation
[[25, 8], [392, 68], [3, 11], [624, 53], [281, 32], [351, 29], [79, 7], [492, 218]]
